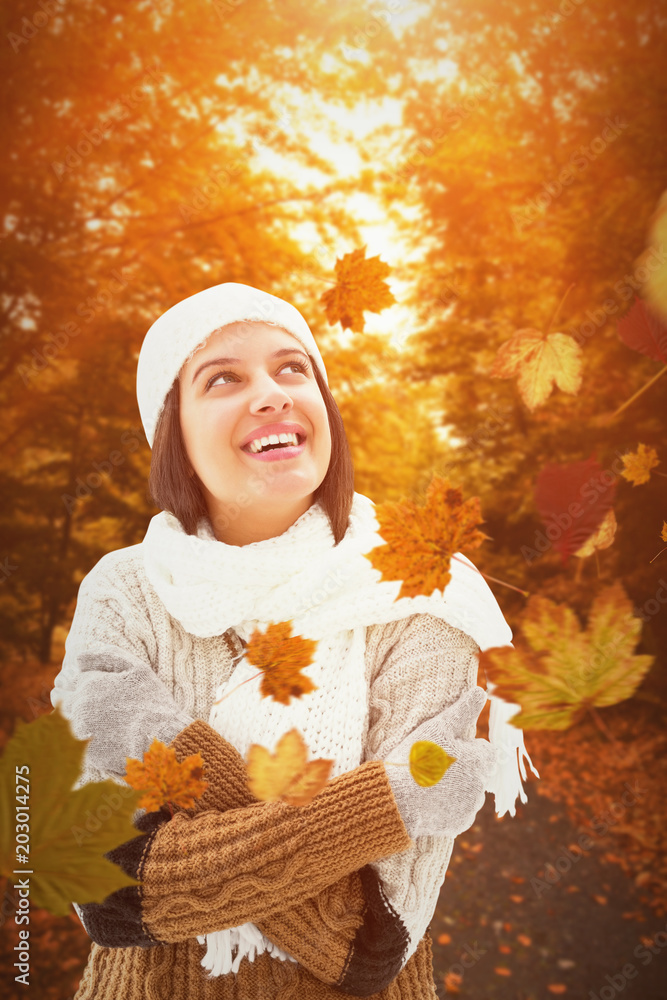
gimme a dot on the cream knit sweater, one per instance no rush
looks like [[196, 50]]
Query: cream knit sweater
[[414, 667]]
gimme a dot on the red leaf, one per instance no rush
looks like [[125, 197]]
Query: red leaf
[[643, 330], [580, 483]]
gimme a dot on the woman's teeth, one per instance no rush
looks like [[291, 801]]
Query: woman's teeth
[[261, 444]]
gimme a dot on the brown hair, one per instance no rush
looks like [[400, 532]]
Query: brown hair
[[175, 487]]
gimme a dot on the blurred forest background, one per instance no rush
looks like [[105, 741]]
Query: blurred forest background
[[157, 148]]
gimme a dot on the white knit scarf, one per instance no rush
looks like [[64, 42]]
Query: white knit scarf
[[325, 590]]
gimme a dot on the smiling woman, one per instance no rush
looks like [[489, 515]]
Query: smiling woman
[[260, 526], [220, 448]]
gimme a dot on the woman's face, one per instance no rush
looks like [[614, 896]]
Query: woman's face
[[248, 381]]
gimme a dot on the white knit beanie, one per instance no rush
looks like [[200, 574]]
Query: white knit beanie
[[181, 330]]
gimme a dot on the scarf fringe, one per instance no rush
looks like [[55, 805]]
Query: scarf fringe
[[506, 784], [246, 940]]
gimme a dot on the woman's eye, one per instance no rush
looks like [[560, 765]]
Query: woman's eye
[[215, 378], [299, 365]]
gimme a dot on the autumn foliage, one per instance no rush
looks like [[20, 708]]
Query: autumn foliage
[[281, 658], [163, 780], [420, 539]]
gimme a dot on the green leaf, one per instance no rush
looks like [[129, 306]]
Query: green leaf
[[557, 671], [70, 829]]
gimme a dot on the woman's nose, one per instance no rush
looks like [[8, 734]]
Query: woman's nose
[[269, 394]]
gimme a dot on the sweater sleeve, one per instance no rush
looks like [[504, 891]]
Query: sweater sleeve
[[103, 685], [219, 869], [425, 665], [360, 932], [320, 932]]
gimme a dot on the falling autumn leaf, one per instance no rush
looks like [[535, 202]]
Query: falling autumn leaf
[[557, 988], [70, 829], [600, 539], [663, 535], [573, 499], [557, 671], [642, 329], [164, 780], [286, 774], [638, 464], [452, 981], [540, 361], [359, 285], [419, 541], [656, 282], [281, 656], [502, 970], [428, 762]]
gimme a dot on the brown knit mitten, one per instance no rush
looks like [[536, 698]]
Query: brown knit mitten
[[348, 935], [263, 859], [225, 769]]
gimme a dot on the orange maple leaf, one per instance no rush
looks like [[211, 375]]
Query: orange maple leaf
[[359, 285], [280, 656], [421, 540], [287, 774], [165, 780], [638, 464]]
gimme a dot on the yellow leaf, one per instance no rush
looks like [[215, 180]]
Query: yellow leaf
[[359, 285], [286, 774], [70, 830], [421, 540], [540, 362], [638, 464], [601, 538], [164, 780], [557, 671], [428, 762], [656, 282], [281, 657]]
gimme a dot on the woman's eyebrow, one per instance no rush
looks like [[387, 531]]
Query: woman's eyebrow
[[238, 361]]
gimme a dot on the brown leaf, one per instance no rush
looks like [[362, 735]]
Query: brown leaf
[[420, 540], [359, 285], [164, 779], [281, 657], [286, 774]]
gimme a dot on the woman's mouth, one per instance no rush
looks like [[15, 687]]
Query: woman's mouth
[[277, 452]]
